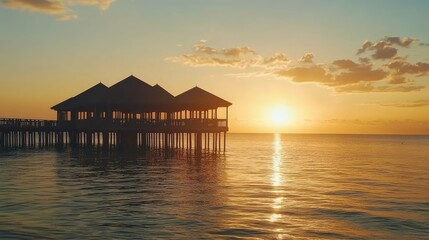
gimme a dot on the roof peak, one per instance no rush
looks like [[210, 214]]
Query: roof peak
[[132, 77], [199, 98], [100, 84], [133, 80]]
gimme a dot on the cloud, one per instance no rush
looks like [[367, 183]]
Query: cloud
[[351, 72], [256, 74], [307, 58], [343, 121], [365, 46], [400, 67], [45, 6], [401, 88], [403, 72], [381, 123], [356, 88], [236, 52], [102, 4], [404, 42], [365, 60], [413, 104], [363, 75], [368, 87], [345, 64], [58, 8], [204, 55], [279, 59], [314, 73], [238, 57], [384, 48], [385, 52], [340, 72], [399, 80], [202, 48], [197, 61]]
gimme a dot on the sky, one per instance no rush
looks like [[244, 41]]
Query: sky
[[334, 66]]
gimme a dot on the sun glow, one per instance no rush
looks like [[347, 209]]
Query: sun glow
[[280, 116]]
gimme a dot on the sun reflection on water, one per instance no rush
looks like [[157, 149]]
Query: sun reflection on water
[[277, 181], [275, 216], [278, 203], [277, 161]]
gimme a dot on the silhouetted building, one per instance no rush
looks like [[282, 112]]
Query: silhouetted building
[[132, 112]]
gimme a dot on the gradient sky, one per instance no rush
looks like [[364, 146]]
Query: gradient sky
[[336, 66]]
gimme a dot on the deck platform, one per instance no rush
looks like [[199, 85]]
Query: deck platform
[[181, 134], [131, 114]]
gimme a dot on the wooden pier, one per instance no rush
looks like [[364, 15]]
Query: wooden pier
[[130, 114], [29, 133]]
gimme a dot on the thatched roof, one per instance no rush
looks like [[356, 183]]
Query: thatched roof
[[92, 96], [199, 99]]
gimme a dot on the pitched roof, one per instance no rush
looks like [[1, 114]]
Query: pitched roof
[[199, 99], [162, 97], [91, 96], [134, 95], [130, 91], [130, 81]]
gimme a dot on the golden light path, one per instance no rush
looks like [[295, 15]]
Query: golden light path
[[277, 181]]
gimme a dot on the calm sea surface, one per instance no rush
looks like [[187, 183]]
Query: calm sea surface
[[266, 186]]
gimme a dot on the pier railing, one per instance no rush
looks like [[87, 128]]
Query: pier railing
[[197, 134], [179, 125], [27, 124], [146, 125]]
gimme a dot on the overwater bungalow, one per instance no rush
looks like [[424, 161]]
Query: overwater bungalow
[[134, 113], [130, 113]]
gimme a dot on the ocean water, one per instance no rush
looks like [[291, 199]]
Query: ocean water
[[266, 186]]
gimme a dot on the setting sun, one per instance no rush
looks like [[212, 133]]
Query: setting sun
[[280, 116], [214, 119]]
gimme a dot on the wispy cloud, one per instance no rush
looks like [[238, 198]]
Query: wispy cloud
[[379, 67], [256, 74], [373, 122], [56, 8], [102, 4], [61, 9], [413, 104], [238, 57], [367, 87], [307, 58]]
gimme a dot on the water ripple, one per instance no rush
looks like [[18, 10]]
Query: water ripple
[[264, 187]]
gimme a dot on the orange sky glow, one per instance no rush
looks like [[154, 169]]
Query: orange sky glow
[[287, 66]]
